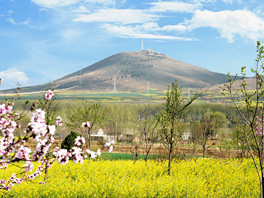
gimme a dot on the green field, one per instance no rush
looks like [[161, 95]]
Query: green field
[[153, 96]]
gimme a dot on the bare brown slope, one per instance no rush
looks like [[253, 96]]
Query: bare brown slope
[[251, 85], [132, 71]]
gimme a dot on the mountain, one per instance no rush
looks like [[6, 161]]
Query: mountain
[[132, 71]]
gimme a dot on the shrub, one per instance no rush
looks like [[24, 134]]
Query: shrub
[[69, 141]]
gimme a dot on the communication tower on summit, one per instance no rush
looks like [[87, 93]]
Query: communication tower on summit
[[142, 44]]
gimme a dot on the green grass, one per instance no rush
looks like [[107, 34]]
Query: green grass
[[156, 96], [130, 156]]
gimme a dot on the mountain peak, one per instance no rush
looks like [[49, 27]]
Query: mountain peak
[[150, 52], [132, 71]]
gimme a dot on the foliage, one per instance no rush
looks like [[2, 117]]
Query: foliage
[[69, 141], [207, 128], [172, 116], [147, 127], [92, 112]]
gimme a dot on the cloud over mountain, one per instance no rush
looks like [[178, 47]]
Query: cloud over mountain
[[11, 77]]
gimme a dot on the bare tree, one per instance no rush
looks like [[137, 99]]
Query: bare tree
[[147, 127]]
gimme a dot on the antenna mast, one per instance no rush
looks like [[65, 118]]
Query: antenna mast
[[142, 44], [148, 89]]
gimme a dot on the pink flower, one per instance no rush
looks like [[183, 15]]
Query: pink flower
[[23, 153], [18, 180], [111, 149], [52, 129], [59, 121], [49, 95], [109, 145], [62, 155], [79, 141], [259, 128], [2, 182], [86, 124], [28, 166], [77, 155], [92, 154]]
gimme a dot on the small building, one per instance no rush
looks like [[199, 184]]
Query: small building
[[128, 137], [185, 136], [100, 136]]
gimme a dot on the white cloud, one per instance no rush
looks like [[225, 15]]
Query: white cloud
[[54, 3], [11, 77], [232, 1], [10, 12], [104, 2], [228, 23], [119, 2], [62, 3], [217, 1], [11, 20], [168, 6], [81, 9], [121, 16], [259, 10], [70, 34], [177, 28], [149, 26], [134, 32]]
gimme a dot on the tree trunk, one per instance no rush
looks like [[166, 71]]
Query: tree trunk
[[116, 132], [203, 151], [170, 157], [46, 167], [169, 165], [147, 153], [262, 186], [89, 134]]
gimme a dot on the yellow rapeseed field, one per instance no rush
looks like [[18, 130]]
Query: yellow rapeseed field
[[201, 178]]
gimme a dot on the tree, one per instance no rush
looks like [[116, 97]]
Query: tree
[[207, 128], [239, 139], [69, 141], [171, 118], [41, 129], [119, 119], [251, 109], [94, 114], [147, 127]]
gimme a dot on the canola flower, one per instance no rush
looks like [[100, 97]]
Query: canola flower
[[201, 178]]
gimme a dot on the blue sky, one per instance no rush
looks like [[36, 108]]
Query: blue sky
[[42, 40]]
